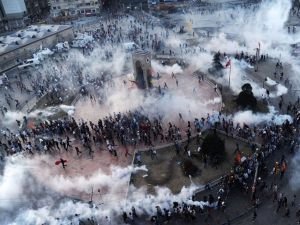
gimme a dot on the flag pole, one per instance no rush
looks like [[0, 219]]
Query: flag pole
[[229, 75]]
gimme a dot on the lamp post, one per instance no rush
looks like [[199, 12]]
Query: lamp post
[[229, 76]]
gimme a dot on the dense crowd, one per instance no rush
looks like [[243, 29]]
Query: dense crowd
[[135, 129]]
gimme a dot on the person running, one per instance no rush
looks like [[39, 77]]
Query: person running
[[165, 85], [254, 215], [62, 162], [78, 152]]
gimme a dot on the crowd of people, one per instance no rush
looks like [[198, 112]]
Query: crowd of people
[[134, 129]]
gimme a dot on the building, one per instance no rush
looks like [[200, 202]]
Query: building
[[22, 44], [12, 13], [72, 8], [37, 9], [16, 14], [13, 8]]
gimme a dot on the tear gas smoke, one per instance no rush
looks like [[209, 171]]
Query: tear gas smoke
[[26, 200], [175, 68], [294, 181], [249, 118], [29, 199], [190, 100], [243, 29], [11, 116], [238, 77]]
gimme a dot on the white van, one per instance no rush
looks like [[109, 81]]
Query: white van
[[29, 63], [43, 54], [130, 46], [62, 47]]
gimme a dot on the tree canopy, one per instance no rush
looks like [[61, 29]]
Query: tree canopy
[[214, 147], [246, 98]]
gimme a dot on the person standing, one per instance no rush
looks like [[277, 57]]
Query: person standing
[[63, 163], [153, 153], [254, 215], [125, 217], [78, 152], [68, 143], [216, 88], [180, 117]]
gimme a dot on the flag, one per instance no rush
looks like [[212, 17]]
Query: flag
[[228, 63], [258, 45], [59, 162]]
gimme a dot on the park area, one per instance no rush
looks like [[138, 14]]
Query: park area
[[168, 168]]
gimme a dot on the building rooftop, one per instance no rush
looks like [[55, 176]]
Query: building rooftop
[[29, 35]]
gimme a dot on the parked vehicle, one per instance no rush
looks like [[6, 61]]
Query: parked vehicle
[[130, 46], [29, 63]]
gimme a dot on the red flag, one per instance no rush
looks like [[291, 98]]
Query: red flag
[[238, 157], [59, 162], [228, 63]]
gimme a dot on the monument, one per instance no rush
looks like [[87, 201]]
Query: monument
[[142, 69]]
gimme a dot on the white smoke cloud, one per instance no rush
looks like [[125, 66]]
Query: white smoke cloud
[[29, 199], [10, 117], [157, 67], [238, 77], [250, 118], [294, 181], [243, 29], [182, 100]]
